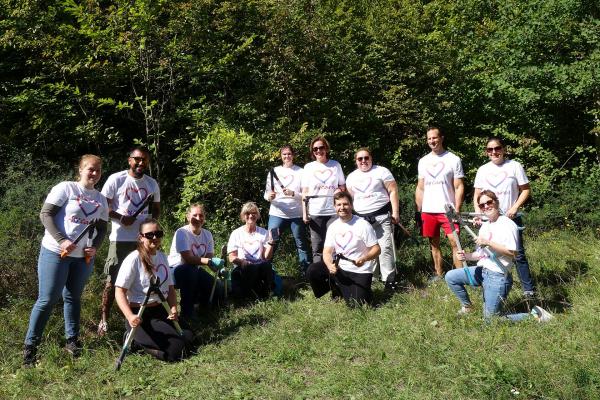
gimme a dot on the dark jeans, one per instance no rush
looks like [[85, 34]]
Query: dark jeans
[[156, 332], [521, 263], [354, 287], [253, 280], [318, 228], [194, 284]]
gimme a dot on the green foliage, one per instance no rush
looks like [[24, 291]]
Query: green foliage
[[23, 188]]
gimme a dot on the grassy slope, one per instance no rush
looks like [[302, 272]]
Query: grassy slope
[[411, 346]]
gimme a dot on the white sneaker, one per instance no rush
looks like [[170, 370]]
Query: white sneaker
[[464, 310], [540, 314]]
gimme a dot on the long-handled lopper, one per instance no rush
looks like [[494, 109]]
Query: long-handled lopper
[[88, 229]]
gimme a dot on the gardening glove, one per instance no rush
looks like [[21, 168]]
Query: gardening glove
[[215, 262]]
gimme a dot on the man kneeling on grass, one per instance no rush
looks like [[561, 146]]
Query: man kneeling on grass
[[497, 240], [354, 243]]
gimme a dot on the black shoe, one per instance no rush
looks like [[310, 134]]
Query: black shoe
[[29, 353], [73, 347]]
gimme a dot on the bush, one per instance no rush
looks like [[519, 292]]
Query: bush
[[23, 187]]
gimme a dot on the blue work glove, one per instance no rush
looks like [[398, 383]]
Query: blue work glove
[[215, 263]]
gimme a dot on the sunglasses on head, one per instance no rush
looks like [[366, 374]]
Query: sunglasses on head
[[318, 148], [496, 149], [153, 235], [486, 203], [365, 158]]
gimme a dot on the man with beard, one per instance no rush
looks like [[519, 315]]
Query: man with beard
[[126, 192]]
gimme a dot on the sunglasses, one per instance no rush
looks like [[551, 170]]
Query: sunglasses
[[487, 203], [139, 159], [153, 235], [251, 213], [496, 149], [318, 148], [365, 158]]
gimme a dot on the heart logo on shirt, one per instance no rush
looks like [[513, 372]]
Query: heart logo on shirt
[[343, 239], [198, 249], [363, 185], [435, 169], [252, 248], [323, 175], [162, 272], [88, 206], [287, 180], [496, 179], [136, 196]]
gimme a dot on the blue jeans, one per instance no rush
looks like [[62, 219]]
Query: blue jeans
[[496, 287], [521, 263], [298, 229], [66, 276]]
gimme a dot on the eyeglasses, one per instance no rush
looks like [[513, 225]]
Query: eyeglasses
[[153, 235], [318, 148], [487, 203], [365, 158], [139, 159], [496, 149]]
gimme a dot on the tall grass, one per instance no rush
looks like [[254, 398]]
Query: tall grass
[[410, 346]]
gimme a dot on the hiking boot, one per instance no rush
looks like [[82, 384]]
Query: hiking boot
[[540, 314], [73, 347], [29, 355], [464, 310]]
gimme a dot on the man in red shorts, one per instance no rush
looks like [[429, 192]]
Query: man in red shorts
[[440, 182]]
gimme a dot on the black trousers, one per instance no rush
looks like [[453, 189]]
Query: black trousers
[[318, 228], [253, 280], [158, 336], [354, 287]]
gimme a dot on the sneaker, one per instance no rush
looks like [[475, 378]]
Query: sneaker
[[29, 355], [529, 294], [434, 279], [540, 314], [73, 347], [464, 310], [102, 328]]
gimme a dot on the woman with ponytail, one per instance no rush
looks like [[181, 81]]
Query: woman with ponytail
[[156, 334]]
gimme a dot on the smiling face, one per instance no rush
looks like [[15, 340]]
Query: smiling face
[[196, 217], [435, 140], [138, 162], [495, 151], [489, 206], [151, 237], [343, 208], [320, 151], [287, 157], [90, 172], [363, 160]]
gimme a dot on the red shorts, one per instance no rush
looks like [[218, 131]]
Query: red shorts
[[432, 223]]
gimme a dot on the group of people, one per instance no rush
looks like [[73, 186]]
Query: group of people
[[350, 220]]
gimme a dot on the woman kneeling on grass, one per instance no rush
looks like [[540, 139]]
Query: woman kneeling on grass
[[500, 235], [250, 249], [156, 333]]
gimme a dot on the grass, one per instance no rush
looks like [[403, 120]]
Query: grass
[[410, 346]]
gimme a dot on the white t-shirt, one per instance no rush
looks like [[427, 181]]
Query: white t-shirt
[[127, 195], [285, 206], [133, 277], [368, 188], [438, 173], [505, 232], [322, 179], [184, 239], [78, 208], [249, 246], [504, 180], [353, 240]]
